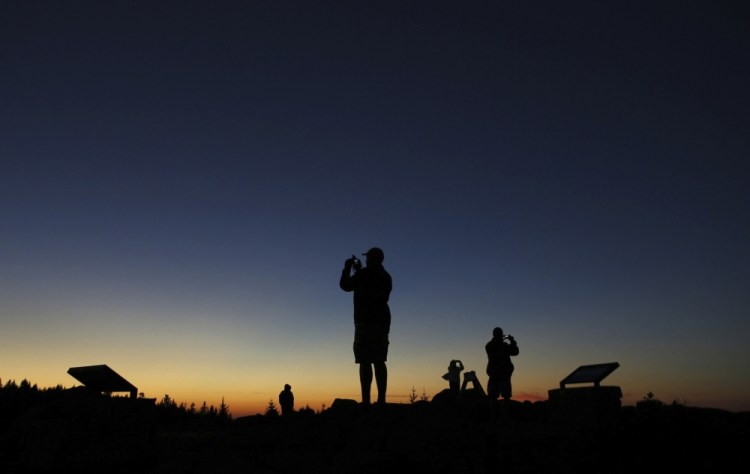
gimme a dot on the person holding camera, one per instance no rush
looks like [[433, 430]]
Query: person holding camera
[[371, 286], [499, 366], [453, 376]]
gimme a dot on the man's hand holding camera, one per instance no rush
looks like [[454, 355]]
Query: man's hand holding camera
[[353, 262]]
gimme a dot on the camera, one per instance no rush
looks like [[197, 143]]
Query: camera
[[356, 264]]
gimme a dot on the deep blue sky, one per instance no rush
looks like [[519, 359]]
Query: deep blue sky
[[182, 181]]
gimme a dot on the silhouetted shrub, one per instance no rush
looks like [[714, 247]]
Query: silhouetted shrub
[[271, 410]]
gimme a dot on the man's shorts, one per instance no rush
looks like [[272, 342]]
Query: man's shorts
[[499, 387], [370, 344]]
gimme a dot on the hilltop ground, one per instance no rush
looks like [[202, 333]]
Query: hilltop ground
[[99, 434]]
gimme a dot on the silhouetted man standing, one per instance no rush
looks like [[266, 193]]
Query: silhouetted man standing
[[286, 400], [372, 318], [499, 366]]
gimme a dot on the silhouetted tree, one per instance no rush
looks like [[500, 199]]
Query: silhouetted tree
[[306, 411], [424, 397], [167, 402], [271, 410], [224, 411], [413, 395]]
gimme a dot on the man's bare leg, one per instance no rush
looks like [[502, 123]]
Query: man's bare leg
[[365, 381], [381, 379]]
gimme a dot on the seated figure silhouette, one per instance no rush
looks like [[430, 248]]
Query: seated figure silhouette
[[471, 376]]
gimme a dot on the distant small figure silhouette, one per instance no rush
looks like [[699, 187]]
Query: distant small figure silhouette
[[453, 376], [286, 400], [499, 366], [372, 318]]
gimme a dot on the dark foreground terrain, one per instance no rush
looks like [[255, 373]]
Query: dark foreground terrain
[[85, 433]]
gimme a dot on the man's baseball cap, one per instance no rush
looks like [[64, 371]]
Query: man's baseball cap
[[375, 254]]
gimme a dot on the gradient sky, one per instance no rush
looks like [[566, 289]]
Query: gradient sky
[[181, 183]]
